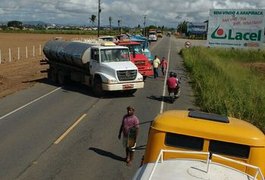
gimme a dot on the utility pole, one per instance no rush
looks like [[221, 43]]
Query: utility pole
[[144, 25], [99, 11]]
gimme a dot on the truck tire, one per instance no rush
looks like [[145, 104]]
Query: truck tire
[[52, 75], [61, 78], [97, 87]]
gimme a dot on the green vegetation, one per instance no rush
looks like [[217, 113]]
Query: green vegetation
[[63, 31], [228, 82]]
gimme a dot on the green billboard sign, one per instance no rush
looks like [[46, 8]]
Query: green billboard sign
[[236, 28]]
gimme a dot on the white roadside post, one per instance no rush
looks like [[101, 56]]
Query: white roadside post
[[40, 50], [26, 52], [33, 51], [18, 53], [9, 53]]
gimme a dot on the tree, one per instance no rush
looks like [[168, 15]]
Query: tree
[[182, 27], [110, 20], [93, 19], [16, 24]]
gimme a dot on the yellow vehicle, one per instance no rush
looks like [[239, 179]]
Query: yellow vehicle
[[197, 145]]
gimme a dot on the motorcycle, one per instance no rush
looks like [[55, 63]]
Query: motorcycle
[[174, 93]]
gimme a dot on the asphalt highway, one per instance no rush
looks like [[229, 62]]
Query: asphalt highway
[[52, 132]]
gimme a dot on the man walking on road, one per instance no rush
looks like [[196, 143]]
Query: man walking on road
[[156, 63], [130, 128]]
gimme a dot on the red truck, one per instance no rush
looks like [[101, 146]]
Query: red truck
[[138, 58]]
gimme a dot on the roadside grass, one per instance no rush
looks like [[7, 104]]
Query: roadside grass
[[226, 82]]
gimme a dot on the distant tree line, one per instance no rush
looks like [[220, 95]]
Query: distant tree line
[[110, 30]]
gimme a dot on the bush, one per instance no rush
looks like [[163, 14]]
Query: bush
[[226, 83]]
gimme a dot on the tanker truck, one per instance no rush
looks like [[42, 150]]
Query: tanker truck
[[103, 66]]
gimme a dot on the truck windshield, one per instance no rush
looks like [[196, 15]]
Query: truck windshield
[[136, 48], [114, 55]]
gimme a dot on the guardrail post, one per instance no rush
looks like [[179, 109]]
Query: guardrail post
[[0, 56]]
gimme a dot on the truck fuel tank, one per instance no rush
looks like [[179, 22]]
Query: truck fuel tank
[[69, 52]]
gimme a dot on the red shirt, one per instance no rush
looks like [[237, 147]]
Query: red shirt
[[164, 63], [129, 122], [172, 82]]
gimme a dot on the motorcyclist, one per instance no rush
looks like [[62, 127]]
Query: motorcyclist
[[173, 83]]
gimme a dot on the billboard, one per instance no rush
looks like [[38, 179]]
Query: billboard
[[197, 28], [239, 28]]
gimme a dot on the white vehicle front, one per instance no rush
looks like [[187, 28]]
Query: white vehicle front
[[152, 36], [115, 70]]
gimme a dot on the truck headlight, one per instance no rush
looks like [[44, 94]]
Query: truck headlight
[[112, 81]]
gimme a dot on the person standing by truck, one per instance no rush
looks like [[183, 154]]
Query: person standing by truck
[[129, 127], [156, 63], [164, 66]]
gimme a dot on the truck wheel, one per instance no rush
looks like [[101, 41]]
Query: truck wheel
[[97, 87], [61, 78], [52, 75]]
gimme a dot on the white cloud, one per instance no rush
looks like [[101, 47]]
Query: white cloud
[[157, 12]]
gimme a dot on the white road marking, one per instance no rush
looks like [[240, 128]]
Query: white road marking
[[69, 129], [8, 114], [165, 81]]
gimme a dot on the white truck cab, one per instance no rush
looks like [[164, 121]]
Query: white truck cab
[[152, 35]]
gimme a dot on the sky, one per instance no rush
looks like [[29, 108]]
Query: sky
[[130, 13]]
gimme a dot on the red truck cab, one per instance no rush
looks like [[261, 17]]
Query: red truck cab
[[138, 58]]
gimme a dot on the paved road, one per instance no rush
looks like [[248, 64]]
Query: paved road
[[50, 132]]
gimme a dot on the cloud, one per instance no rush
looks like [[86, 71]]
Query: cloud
[[131, 13]]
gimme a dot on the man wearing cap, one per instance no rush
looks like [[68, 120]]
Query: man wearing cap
[[129, 123]]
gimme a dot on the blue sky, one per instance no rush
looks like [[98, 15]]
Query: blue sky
[[131, 12]]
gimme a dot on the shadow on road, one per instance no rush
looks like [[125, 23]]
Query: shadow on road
[[107, 154], [166, 99], [81, 88]]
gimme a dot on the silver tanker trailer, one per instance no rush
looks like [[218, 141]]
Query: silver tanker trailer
[[103, 66]]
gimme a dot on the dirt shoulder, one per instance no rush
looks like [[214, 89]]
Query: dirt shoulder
[[24, 68]]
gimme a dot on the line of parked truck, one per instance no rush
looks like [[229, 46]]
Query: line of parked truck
[[102, 64]]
